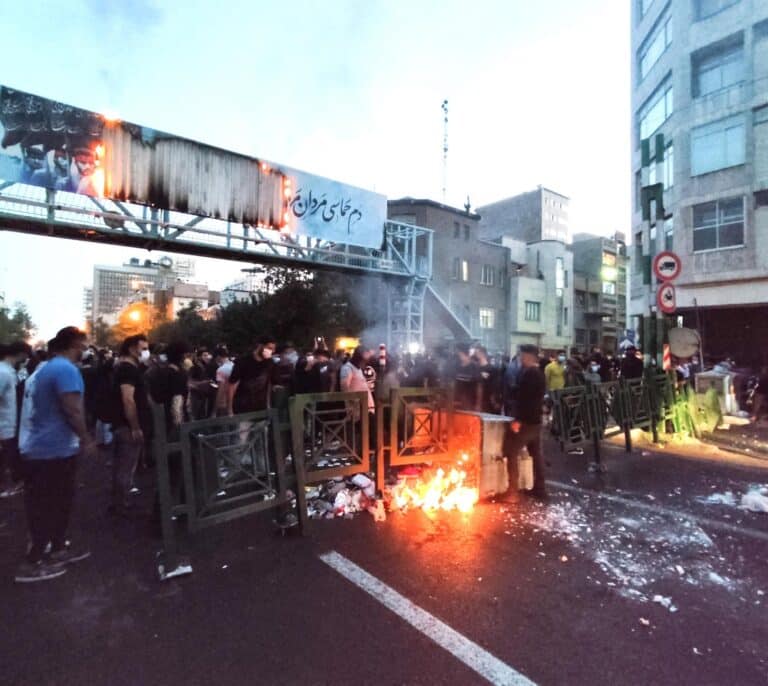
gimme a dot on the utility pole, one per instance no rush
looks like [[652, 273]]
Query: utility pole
[[444, 107]]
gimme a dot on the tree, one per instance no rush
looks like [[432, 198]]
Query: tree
[[15, 324], [188, 326]]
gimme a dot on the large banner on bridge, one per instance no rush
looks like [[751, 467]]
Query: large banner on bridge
[[334, 211], [53, 145]]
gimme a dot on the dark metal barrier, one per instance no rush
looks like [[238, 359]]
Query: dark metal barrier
[[219, 469], [585, 413], [331, 438], [413, 426]]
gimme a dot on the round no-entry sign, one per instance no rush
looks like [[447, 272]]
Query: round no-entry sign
[[666, 300], [667, 265]]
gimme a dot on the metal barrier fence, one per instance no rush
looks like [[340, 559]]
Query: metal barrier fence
[[413, 426], [331, 437], [584, 414], [219, 469]]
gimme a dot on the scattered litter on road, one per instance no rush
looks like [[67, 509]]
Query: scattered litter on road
[[224, 566], [696, 651], [665, 601], [341, 497], [563, 558], [755, 500], [727, 498], [644, 621]]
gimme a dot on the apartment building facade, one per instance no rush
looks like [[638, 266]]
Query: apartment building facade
[[700, 151]]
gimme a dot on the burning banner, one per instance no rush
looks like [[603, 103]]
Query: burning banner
[[63, 148]]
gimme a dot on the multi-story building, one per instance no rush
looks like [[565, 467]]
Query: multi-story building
[[115, 287], [700, 146], [178, 296], [599, 291], [88, 306], [538, 215], [467, 298], [540, 294], [501, 289]]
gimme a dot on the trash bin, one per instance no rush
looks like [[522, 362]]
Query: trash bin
[[481, 435], [723, 383]]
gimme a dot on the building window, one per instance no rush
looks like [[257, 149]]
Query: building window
[[655, 45], [456, 230], [609, 288], [460, 270], [487, 275], [565, 316], [716, 71], [532, 311], [718, 224], [593, 337], [706, 8], [669, 233], [559, 276], [638, 190], [669, 167], [593, 302], [466, 232], [718, 145], [656, 110], [581, 336], [609, 259], [638, 251], [580, 299], [487, 318]]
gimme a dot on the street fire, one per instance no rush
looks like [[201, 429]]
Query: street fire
[[435, 490]]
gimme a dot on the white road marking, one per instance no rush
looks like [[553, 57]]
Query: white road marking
[[660, 509], [471, 654]]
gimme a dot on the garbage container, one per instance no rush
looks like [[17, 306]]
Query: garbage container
[[723, 383], [481, 435]]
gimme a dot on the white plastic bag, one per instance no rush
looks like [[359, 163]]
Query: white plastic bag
[[524, 470]]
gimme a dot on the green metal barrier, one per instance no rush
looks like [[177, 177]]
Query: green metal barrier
[[219, 469], [413, 426], [331, 438]]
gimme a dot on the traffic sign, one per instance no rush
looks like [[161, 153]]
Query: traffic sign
[[666, 298], [667, 266]]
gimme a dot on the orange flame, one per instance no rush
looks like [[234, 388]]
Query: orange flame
[[443, 491]]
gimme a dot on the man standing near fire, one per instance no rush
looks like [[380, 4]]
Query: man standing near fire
[[526, 423]]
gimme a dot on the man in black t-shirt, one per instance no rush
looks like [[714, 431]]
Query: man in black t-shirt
[[526, 424], [169, 387], [631, 365], [132, 420], [490, 382], [322, 376], [251, 379], [467, 391]]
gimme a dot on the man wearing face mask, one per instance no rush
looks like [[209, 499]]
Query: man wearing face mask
[[251, 378], [284, 371], [554, 373], [11, 358], [132, 419], [592, 374]]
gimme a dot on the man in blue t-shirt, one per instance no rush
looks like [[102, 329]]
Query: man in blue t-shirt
[[56, 435]]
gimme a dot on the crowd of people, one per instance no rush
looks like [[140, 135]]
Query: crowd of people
[[73, 399]]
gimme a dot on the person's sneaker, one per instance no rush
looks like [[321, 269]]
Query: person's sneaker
[[67, 556], [30, 572]]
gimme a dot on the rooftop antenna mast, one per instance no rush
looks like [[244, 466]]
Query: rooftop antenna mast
[[444, 107]]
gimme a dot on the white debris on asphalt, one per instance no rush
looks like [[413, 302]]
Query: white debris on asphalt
[[644, 621], [755, 500], [726, 498], [640, 554]]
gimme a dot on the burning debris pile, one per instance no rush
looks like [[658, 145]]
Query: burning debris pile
[[340, 497], [429, 488], [433, 489]]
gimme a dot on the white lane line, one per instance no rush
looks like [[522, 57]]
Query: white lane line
[[660, 509], [471, 654]]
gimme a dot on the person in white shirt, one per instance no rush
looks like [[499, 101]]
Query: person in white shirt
[[11, 358], [352, 378], [224, 367]]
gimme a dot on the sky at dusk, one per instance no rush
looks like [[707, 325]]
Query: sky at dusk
[[538, 94]]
